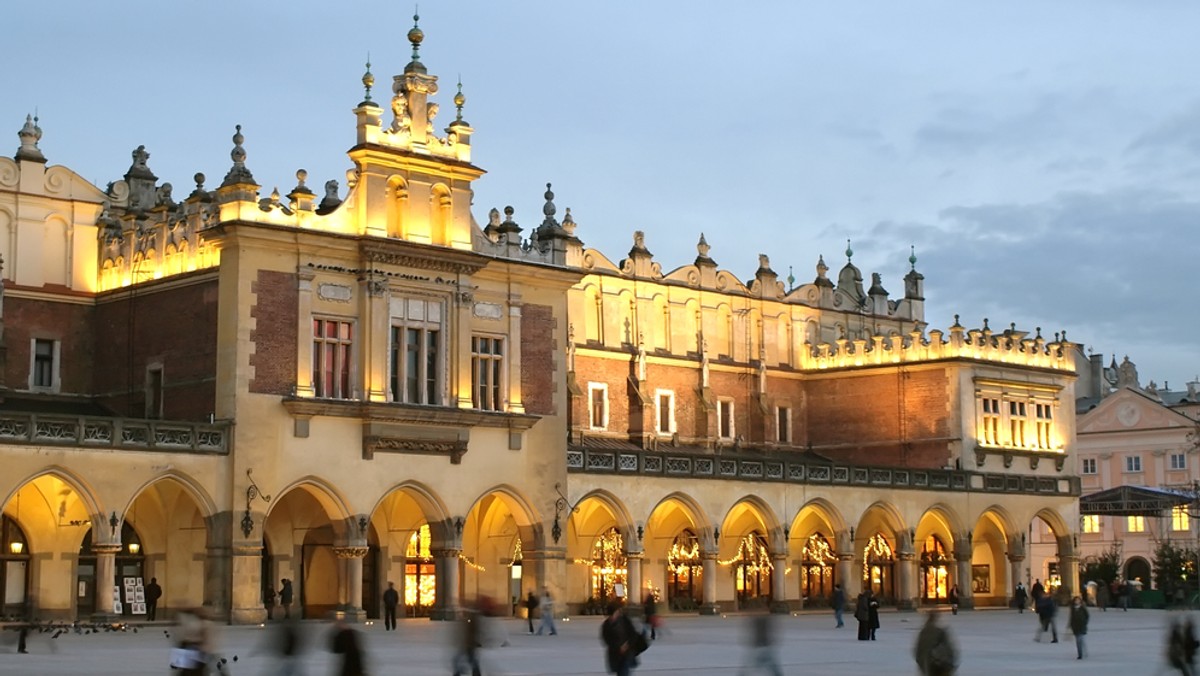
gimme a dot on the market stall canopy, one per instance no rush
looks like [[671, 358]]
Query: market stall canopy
[[1134, 501]]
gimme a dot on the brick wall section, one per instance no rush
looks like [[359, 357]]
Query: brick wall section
[[538, 377], [68, 323], [177, 327], [886, 419], [276, 315]]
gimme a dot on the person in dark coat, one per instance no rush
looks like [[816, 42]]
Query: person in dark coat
[[345, 643], [391, 599], [1181, 648], [839, 604], [1046, 609], [285, 598], [1078, 623], [863, 616], [269, 601], [470, 639], [1036, 591], [1020, 597], [531, 604], [153, 594], [620, 641], [872, 612], [762, 641], [650, 615], [954, 599], [934, 650]]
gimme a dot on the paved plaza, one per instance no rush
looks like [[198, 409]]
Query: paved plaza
[[991, 642]]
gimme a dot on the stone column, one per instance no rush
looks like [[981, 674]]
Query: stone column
[[247, 584], [1068, 564], [845, 575], [106, 575], [708, 562], [1016, 574], [352, 559], [633, 582], [445, 604], [779, 602], [906, 580], [966, 598]]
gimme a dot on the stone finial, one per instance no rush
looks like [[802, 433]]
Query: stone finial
[[849, 251], [199, 193], [548, 209], [331, 200], [912, 256], [30, 134], [415, 37], [368, 80], [459, 101], [702, 247], [568, 224], [509, 225], [639, 244], [791, 279], [764, 262], [877, 285], [238, 173], [822, 279]]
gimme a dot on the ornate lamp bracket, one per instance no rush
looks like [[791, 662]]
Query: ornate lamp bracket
[[560, 505], [252, 491]]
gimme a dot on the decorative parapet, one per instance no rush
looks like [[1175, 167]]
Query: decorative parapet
[[86, 432], [780, 470], [1009, 347]]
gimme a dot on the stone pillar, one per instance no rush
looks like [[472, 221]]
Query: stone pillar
[[962, 556], [906, 580], [1016, 574], [247, 584], [845, 575], [779, 602], [106, 575], [708, 562], [633, 582], [445, 604], [1068, 564], [352, 585]]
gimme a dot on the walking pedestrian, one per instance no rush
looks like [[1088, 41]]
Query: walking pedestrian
[[620, 640], [934, 650], [546, 610], [954, 599], [269, 601], [153, 593], [194, 643], [1102, 595], [1126, 592], [391, 599], [839, 604], [1020, 597], [470, 639], [531, 604], [287, 645], [346, 643], [1045, 610], [761, 645], [1078, 623], [1036, 591], [872, 612], [650, 615], [285, 598]]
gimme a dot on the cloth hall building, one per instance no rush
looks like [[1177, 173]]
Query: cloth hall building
[[226, 388]]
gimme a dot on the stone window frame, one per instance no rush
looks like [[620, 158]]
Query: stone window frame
[[499, 386], [1181, 521], [594, 388], [726, 413], [404, 323], [1005, 410], [55, 384], [783, 426], [658, 413], [1090, 523], [1087, 466], [1174, 456], [1133, 463], [1135, 524], [155, 391], [351, 359]]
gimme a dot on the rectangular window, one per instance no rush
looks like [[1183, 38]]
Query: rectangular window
[[332, 343], [1178, 461], [783, 429], [1133, 463], [991, 421], [154, 392], [43, 372], [598, 411], [1136, 524], [1087, 466], [725, 418], [487, 372], [1016, 423], [1044, 424], [1091, 523], [414, 377], [665, 411], [1180, 520]]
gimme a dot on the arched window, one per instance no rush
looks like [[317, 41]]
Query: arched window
[[878, 563], [14, 568], [609, 567], [935, 576], [684, 572], [752, 572], [817, 573], [420, 578]]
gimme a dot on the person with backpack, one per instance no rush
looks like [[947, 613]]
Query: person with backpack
[[934, 650]]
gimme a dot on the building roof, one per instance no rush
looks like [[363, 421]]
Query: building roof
[[1133, 501]]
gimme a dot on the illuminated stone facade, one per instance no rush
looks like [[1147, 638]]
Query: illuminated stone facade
[[226, 390]]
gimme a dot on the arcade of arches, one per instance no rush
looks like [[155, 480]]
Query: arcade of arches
[[692, 557]]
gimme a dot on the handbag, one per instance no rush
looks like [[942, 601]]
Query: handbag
[[640, 644]]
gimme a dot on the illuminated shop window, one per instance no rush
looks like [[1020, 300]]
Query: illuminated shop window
[[1136, 524], [684, 571], [609, 568], [1091, 523], [420, 578], [878, 562], [817, 572], [1180, 520]]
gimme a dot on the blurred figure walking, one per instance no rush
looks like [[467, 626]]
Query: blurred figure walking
[[934, 650], [347, 644], [1078, 623], [762, 646], [391, 599], [546, 608]]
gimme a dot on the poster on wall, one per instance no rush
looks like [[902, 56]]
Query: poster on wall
[[117, 599], [981, 579], [139, 608]]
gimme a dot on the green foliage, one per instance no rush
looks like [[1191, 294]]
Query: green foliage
[[1174, 569], [1103, 568]]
